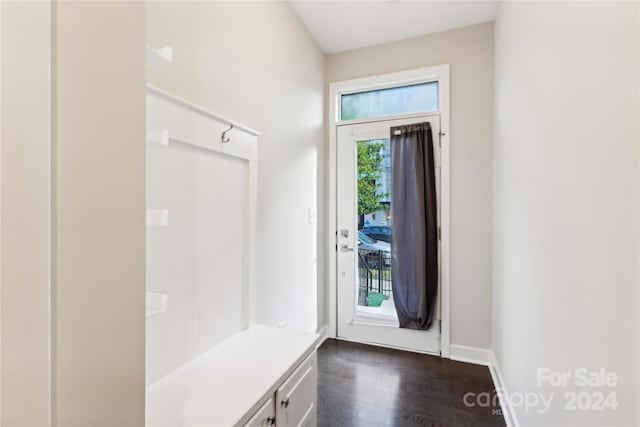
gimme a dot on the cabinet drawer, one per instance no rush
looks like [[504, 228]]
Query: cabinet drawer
[[296, 398], [265, 417]]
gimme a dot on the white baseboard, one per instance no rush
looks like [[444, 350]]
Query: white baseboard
[[496, 375], [481, 356], [322, 331], [462, 353]]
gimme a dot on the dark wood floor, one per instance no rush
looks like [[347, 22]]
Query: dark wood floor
[[361, 385]]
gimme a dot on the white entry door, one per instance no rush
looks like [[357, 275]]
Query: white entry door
[[366, 311]]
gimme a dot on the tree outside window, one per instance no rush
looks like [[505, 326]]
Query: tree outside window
[[370, 173]]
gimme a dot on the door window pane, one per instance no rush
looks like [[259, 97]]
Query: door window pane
[[375, 294], [418, 98]]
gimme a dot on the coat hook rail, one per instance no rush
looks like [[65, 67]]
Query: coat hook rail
[[224, 137]]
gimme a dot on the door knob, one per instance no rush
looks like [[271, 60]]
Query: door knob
[[346, 248], [271, 420]]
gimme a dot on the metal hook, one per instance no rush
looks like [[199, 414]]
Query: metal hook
[[224, 135]]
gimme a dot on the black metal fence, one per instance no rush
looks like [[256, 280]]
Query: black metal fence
[[374, 269]]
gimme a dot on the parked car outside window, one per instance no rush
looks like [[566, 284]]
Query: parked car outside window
[[373, 251], [378, 232]]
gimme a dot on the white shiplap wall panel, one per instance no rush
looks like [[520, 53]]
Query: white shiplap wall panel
[[201, 259]]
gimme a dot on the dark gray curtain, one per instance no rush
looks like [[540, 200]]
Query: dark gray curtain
[[414, 245]]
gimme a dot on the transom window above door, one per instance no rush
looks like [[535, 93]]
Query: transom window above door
[[390, 101]]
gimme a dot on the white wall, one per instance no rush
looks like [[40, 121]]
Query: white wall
[[565, 267], [255, 63], [99, 214], [72, 219], [25, 216], [469, 51]]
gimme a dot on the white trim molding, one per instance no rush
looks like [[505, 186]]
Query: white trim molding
[[498, 381], [475, 355]]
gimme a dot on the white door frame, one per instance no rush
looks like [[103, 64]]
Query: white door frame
[[438, 73]]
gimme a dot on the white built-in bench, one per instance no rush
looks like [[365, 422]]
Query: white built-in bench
[[262, 376]]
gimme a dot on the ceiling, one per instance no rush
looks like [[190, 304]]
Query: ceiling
[[343, 25]]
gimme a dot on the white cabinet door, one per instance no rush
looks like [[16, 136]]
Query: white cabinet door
[[296, 398], [265, 417]]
